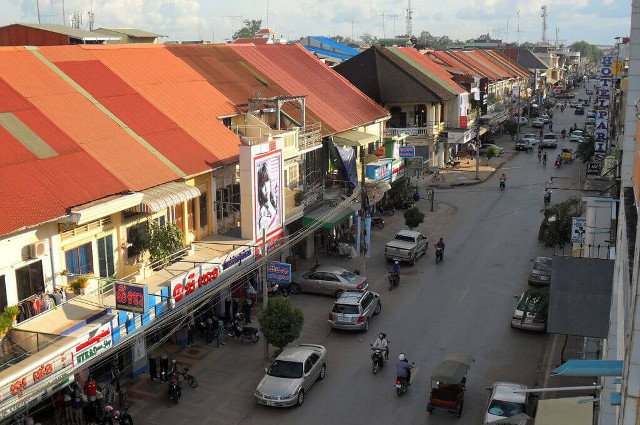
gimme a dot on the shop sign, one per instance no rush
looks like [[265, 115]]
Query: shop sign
[[94, 345], [578, 229], [236, 258], [40, 397], [131, 297], [279, 272], [273, 241], [380, 170], [19, 387], [380, 152], [415, 163], [193, 280], [463, 121], [594, 168], [407, 151]]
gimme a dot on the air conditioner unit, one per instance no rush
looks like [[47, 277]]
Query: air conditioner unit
[[36, 250]]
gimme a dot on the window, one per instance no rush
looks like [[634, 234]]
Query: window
[[178, 216], [79, 260], [3, 293], [162, 220], [204, 217], [307, 366], [105, 256], [314, 358], [29, 280]]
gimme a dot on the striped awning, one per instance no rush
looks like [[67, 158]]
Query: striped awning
[[166, 195]]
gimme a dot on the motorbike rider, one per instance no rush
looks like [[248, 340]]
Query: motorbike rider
[[558, 160], [440, 244], [403, 369], [503, 180], [382, 344], [563, 133], [395, 269]]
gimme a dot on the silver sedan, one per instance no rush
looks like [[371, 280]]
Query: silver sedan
[[327, 280], [291, 375]]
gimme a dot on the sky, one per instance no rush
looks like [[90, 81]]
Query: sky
[[597, 22]]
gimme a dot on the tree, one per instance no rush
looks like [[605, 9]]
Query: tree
[[556, 231], [164, 242], [588, 51], [281, 322], [369, 40], [586, 149], [250, 29], [492, 152], [413, 217]]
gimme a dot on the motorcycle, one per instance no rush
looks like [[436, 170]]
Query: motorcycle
[[377, 222], [341, 249], [175, 390], [110, 416], [385, 210], [245, 332], [274, 289], [378, 358], [503, 184], [547, 198], [402, 384], [439, 254], [394, 279], [558, 163]]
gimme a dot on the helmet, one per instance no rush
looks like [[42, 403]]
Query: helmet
[[396, 262], [108, 409], [239, 316], [401, 357]]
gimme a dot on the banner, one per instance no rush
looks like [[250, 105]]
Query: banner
[[279, 272]]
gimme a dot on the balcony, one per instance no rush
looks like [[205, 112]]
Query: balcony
[[425, 133], [297, 140]]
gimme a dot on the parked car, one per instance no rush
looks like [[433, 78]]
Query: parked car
[[327, 280], [353, 310], [546, 118], [532, 309], [549, 140], [579, 110], [485, 146], [407, 245], [523, 145], [537, 122], [577, 136], [504, 402], [591, 113], [540, 274], [291, 375], [573, 103], [589, 91], [532, 138]]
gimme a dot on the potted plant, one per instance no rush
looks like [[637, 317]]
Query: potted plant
[[12, 311], [5, 324]]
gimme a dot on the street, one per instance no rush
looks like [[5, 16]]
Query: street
[[464, 305]]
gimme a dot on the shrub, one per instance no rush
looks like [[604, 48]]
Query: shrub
[[413, 217]]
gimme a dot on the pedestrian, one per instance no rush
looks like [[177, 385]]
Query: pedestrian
[[544, 159], [550, 126], [227, 308], [220, 333], [249, 295], [191, 327], [209, 331]]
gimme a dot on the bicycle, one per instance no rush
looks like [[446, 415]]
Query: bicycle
[[183, 375], [438, 177]]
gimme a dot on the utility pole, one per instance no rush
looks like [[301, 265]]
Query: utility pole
[[394, 23], [477, 124], [363, 215], [409, 20], [383, 13], [265, 286], [544, 23]]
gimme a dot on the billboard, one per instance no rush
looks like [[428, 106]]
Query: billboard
[[268, 192]]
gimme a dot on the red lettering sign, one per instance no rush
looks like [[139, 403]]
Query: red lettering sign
[[191, 282]]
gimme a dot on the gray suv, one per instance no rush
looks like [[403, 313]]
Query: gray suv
[[353, 310]]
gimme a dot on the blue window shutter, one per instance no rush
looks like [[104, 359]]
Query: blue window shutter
[[71, 258], [86, 260]]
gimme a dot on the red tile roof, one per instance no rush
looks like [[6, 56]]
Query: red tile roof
[[330, 97]]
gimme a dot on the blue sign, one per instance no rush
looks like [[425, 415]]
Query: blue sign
[[131, 297], [279, 272], [407, 151]]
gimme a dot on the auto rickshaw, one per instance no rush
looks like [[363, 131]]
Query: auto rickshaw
[[448, 384], [566, 155]]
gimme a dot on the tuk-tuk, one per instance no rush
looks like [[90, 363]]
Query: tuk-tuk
[[566, 155], [448, 384]]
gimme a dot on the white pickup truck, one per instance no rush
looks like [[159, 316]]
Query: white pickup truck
[[407, 246]]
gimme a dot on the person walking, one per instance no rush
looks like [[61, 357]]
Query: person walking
[[220, 331], [209, 331], [191, 327], [544, 159], [249, 297]]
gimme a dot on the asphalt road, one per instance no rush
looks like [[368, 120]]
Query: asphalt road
[[463, 305]]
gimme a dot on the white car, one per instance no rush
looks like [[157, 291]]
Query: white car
[[546, 118], [577, 136], [533, 140], [549, 140], [537, 122], [504, 402], [523, 120]]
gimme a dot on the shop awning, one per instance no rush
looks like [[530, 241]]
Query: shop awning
[[565, 411], [354, 138], [161, 197], [580, 298], [326, 215], [576, 367], [114, 204]]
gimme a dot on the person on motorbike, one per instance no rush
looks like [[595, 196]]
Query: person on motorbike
[[558, 160], [563, 133], [503, 180], [403, 369], [381, 343], [440, 244], [395, 269]]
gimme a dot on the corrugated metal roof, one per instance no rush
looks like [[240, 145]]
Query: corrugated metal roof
[[432, 69], [473, 63], [509, 63], [454, 63], [254, 40], [334, 100], [71, 32], [132, 32]]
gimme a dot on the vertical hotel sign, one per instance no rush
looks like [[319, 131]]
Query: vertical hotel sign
[[601, 132]]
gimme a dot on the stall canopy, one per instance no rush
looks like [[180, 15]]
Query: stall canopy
[[565, 411], [327, 215], [354, 138], [580, 299], [161, 197]]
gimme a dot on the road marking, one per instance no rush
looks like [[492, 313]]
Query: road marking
[[464, 294]]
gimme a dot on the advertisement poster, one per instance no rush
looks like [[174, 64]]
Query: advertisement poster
[[268, 196]]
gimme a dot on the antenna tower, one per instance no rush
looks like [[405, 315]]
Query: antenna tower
[[409, 20], [544, 23], [76, 20]]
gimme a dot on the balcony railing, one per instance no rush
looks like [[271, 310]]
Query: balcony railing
[[297, 138], [310, 136]]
